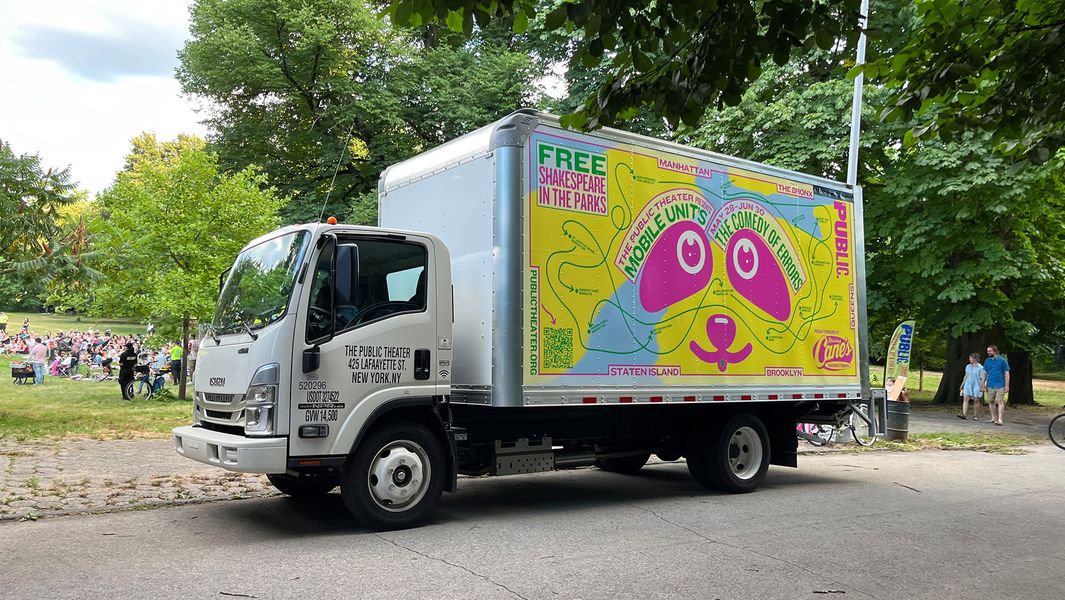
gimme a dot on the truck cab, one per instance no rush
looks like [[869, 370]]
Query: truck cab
[[321, 330]]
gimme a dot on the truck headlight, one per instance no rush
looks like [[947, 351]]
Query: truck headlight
[[196, 409], [260, 409]]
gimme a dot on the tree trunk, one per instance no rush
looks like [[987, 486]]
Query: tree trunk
[[958, 350], [184, 357], [1021, 371]]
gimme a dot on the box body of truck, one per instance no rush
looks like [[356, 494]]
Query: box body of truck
[[534, 299], [610, 268]]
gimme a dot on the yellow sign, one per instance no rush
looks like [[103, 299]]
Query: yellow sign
[[669, 270]]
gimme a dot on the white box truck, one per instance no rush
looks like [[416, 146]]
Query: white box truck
[[534, 299]]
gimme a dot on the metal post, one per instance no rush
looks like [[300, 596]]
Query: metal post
[[856, 107]]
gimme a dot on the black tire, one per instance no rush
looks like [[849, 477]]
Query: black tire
[[397, 461], [739, 455], [1056, 430], [130, 389], [303, 487], [627, 465], [668, 455]]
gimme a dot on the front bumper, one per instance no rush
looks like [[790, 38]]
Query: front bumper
[[232, 452]]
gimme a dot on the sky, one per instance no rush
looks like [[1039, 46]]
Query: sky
[[80, 79]]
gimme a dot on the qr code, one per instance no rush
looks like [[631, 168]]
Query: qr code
[[558, 348]]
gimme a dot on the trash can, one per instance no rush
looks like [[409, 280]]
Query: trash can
[[898, 421]]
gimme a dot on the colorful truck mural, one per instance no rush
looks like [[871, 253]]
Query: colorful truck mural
[[677, 270]]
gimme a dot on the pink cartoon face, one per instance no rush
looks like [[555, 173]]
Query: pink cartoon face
[[678, 266], [756, 275]]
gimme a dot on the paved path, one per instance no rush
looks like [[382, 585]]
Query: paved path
[[63, 477], [77, 476]]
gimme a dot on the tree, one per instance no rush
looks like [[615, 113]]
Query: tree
[[994, 65], [976, 251], [952, 238], [324, 94], [168, 227], [33, 243], [678, 58]]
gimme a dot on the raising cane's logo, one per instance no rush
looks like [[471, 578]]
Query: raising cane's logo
[[833, 353]]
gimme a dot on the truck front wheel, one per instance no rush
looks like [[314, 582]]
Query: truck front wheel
[[733, 459], [395, 477]]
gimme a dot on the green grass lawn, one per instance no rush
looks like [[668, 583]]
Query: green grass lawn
[[45, 322], [84, 409]]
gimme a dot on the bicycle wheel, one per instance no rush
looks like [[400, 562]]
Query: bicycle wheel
[[860, 429], [1056, 429]]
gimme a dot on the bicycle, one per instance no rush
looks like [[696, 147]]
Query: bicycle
[[820, 434], [1056, 431], [815, 433], [151, 383]]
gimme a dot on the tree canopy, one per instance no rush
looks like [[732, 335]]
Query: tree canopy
[[168, 227], [994, 65], [31, 200], [324, 94], [676, 57]]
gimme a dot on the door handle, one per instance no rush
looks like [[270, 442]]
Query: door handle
[[421, 363]]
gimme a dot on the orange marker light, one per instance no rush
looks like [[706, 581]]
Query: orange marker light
[[331, 220]]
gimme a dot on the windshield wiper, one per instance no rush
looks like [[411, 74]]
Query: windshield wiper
[[254, 336], [213, 333]]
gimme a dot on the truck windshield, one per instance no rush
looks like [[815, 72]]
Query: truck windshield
[[258, 288]]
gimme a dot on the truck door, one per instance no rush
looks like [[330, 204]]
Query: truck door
[[366, 338]]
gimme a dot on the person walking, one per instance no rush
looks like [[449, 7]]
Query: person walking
[[126, 361], [37, 358], [972, 387], [3, 322], [998, 382]]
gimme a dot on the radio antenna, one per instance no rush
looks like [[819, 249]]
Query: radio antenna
[[340, 160]]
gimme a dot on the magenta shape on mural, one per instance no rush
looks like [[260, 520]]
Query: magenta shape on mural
[[756, 275], [721, 331], [679, 265]]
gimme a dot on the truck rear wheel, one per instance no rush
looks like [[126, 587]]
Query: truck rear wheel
[[395, 477], [303, 487], [733, 459], [626, 464]]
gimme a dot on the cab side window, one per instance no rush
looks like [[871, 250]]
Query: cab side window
[[391, 280]]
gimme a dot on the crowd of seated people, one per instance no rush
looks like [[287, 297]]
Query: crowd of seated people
[[98, 350]]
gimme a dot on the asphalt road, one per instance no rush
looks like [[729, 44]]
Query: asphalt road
[[934, 525]]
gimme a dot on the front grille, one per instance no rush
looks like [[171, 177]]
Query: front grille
[[220, 398], [218, 414]]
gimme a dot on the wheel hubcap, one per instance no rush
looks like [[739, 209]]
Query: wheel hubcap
[[745, 453], [398, 476]]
